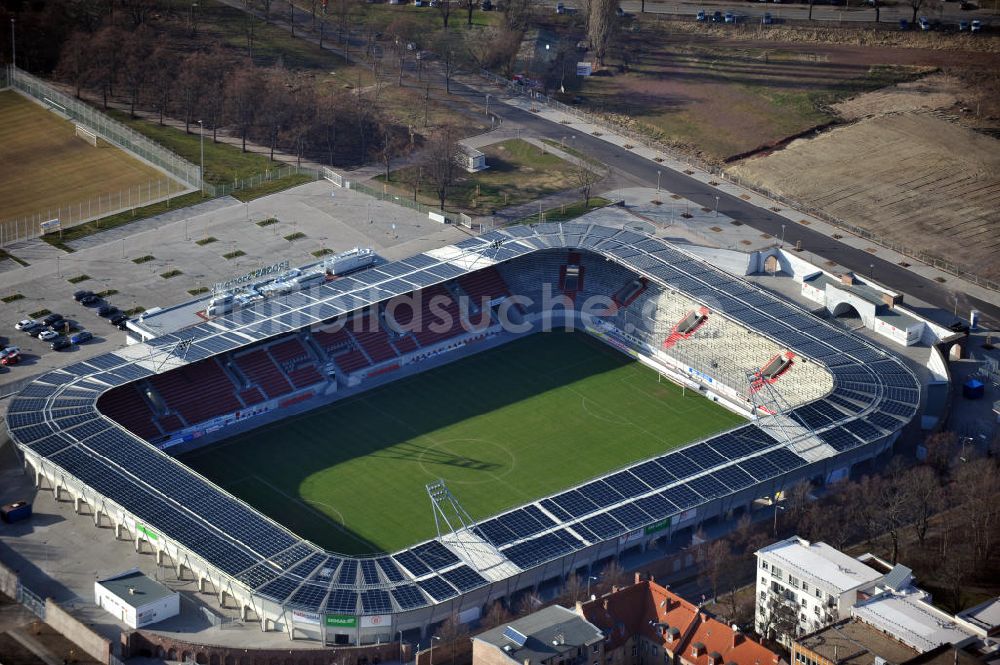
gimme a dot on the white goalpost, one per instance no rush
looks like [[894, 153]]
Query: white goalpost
[[87, 135]]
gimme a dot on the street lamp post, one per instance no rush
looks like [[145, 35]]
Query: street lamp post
[[487, 104], [433, 637], [400, 646], [716, 206], [657, 181], [776, 509], [589, 578], [201, 148], [13, 46], [782, 235]]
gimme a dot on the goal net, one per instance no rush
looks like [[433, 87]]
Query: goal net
[[87, 135]]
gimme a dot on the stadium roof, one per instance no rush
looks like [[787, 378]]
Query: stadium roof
[[57, 420]]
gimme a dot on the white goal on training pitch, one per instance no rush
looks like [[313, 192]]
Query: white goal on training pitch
[[87, 135]]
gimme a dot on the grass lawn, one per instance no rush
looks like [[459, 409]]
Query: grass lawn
[[518, 172], [502, 428], [223, 162], [720, 98], [567, 212]]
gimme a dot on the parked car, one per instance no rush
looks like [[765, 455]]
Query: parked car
[[963, 26], [47, 335], [766, 19], [730, 17], [924, 23], [80, 295], [904, 24], [11, 359], [620, 13], [91, 299], [700, 16], [60, 343], [560, 8], [81, 337], [106, 311], [51, 318], [976, 25], [33, 329], [486, 5], [717, 17], [9, 350], [24, 323], [118, 318]]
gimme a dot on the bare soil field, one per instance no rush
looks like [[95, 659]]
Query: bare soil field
[[719, 93], [47, 166], [913, 177], [931, 93]]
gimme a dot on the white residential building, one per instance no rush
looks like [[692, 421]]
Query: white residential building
[[819, 582]]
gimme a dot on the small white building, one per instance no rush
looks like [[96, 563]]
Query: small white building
[[819, 582], [135, 599]]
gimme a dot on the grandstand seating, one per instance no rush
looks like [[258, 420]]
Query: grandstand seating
[[427, 325], [184, 389], [486, 284], [259, 369], [130, 408], [296, 362], [376, 344], [333, 341], [251, 396]]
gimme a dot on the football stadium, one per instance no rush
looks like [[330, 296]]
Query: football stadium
[[380, 450]]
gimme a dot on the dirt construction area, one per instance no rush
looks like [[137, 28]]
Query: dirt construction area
[[914, 178], [720, 94]]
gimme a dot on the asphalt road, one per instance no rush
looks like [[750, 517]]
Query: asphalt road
[[638, 171], [631, 169], [837, 12]]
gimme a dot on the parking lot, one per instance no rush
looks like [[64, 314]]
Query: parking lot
[[163, 261]]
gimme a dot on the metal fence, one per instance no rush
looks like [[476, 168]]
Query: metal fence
[[385, 195], [94, 208], [255, 181], [31, 600], [640, 139], [106, 128]]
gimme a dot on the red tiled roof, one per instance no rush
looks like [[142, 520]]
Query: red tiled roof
[[654, 612]]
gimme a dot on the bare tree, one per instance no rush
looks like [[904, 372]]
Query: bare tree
[[273, 108], [404, 31], [249, 27], [440, 165], [780, 620], [924, 496], [243, 96], [135, 67], [601, 24], [291, 16], [916, 6], [470, 6], [717, 560], [941, 450], [444, 9], [188, 87], [517, 14], [572, 590], [74, 61], [327, 121], [585, 176], [162, 75], [450, 51], [976, 486], [105, 61], [392, 144], [497, 615]]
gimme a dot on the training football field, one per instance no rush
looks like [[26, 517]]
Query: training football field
[[502, 428], [48, 167]]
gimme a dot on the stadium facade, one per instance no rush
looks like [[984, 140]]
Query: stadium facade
[[819, 400]]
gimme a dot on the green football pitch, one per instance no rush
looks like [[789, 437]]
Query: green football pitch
[[502, 428]]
